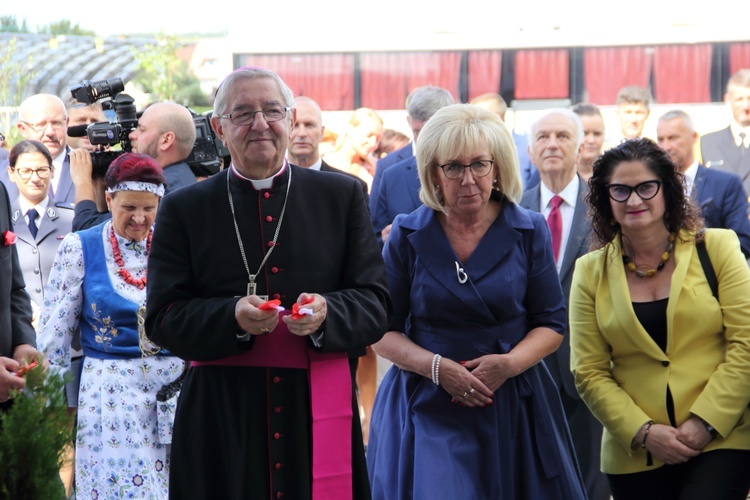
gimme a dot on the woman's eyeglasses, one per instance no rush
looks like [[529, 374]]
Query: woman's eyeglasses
[[478, 168], [26, 173], [645, 190]]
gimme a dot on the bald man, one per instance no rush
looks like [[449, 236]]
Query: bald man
[[305, 139], [43, 118], [165, 132]]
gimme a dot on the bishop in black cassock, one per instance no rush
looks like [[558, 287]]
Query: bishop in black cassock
[[246, 430]]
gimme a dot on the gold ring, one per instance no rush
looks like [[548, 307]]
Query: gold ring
[[465, 394], [471, 391], [264, 331]]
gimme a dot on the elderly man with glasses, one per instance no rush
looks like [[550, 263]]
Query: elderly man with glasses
[[43, 118], [267, 408]]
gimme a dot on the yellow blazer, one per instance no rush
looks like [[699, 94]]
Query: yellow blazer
[[623, 375]]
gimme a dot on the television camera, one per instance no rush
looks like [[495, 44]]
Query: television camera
[[204, 159]]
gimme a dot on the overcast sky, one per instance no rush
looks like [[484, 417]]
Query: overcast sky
[[373, 18]]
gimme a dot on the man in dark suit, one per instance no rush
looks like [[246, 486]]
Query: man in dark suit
[[720, 194], [398, 192], [556, 139], [43, 118], [496, 104], [305, 140], [429, 99], [729, 149], [17, 336]]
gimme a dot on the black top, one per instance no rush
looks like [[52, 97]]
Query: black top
[[653, 317]]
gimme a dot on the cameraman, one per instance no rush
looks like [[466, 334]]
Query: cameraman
[[82, 114], [166, 132]]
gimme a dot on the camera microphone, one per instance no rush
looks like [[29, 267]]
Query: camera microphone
[[77, 130]]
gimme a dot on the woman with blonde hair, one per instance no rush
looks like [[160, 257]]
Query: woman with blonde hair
[[469, 410]]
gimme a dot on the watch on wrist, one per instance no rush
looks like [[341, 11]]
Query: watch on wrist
[[709, 428]]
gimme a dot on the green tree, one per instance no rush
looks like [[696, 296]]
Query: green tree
[[35, 432], [65, 27], [9, 24], [13, 80], [161, 72]]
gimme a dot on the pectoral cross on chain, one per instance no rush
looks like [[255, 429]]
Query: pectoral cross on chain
[[251, 288]]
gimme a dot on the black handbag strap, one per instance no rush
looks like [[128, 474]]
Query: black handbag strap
[[708, 268]]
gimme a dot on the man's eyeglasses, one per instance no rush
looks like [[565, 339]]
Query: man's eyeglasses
[[245, 117], [26, 173], [645, 190], [41, 127], [479, 168]]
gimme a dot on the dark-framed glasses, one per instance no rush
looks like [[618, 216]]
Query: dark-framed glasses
[[26, 173], [246, 117], [645, 190], [479, 168], [39, 128]]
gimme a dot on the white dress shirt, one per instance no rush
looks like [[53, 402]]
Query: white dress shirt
[[567, 208]]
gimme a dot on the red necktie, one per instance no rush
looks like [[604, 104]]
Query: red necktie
[[554, 221]]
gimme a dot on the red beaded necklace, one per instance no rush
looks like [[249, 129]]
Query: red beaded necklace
[[124, 273]]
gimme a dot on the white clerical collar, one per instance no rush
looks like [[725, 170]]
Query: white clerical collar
[[25, 206], [260, 183], [569, 194]]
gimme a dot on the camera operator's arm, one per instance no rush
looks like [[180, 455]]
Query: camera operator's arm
[[86, 212], [80, 174]]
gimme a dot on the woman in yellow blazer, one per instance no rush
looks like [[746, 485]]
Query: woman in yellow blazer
[[662, 363]]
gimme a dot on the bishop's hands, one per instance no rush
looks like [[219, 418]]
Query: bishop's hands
[[308, 314], [258, 317], [252, 319]]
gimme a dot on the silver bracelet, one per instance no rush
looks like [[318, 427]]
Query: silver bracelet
[[436, 369]]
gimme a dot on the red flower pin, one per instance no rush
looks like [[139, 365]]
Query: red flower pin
[[9, 238]]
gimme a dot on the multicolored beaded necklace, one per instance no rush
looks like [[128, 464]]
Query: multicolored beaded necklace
[[124, 273], [630, 265]]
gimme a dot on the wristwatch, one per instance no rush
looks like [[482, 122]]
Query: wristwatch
[[709, 428]]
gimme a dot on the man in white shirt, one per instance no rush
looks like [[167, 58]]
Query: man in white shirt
[[555, 141], [727, 149], [721, 197]]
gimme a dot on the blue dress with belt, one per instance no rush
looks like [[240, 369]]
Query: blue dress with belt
[[423, 446]]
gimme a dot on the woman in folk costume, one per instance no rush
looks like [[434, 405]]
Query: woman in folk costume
[[98, 284]]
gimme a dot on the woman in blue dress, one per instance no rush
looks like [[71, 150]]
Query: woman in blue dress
[[469, 410]]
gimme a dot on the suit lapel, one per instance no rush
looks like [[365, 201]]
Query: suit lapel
[[47, 221], [577, 238], [432, 246], [732, 155], [65, 186], [19, 223], [682, 255], [623, 304], [412, 179]]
